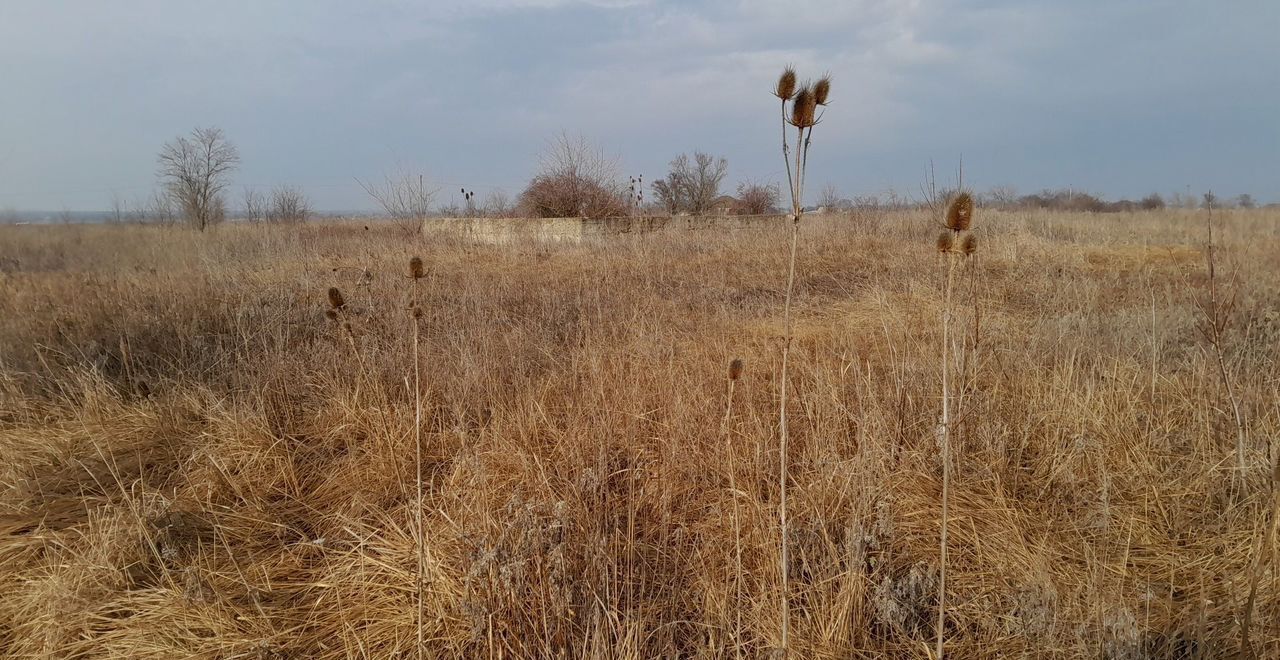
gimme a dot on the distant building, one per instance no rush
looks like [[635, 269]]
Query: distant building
[[724, 205]]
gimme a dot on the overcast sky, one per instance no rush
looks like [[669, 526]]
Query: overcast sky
[[1117, 97]]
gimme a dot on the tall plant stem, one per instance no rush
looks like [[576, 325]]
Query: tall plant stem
[[784, 435], [1215, 338], [737, 523], [946, 451], [417, 460]]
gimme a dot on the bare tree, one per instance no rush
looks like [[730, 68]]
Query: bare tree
[[691, 186], [829, 197], [119, 208], [1002, 196], [497, 204], [574, 179], [288, 204], [405, 197], [255, 205], [195, 170], [160, 208], [758, 198]]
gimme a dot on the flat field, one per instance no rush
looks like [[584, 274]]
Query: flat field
[[196, 462]]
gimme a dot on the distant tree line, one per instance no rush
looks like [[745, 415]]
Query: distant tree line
[[574, 179]]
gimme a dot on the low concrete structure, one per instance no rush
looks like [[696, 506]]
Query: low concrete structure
[[496, 231]]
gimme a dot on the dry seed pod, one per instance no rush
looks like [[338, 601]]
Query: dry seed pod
[[960, 212], [803, 108], [735, 369], [415, 268], [946, 241], [969, 244], [336, 301], [331, 314], [821, 89], [786, 84]]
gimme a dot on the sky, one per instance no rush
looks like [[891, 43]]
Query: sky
[[1116, 97]]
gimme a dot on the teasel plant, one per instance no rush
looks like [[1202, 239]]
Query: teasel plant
[[417, 272], [800, 110], [956, 243], [735, 374]]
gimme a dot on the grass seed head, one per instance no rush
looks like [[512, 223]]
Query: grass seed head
[[336, 301], [803, 108], [821, 89], [946, 240], [735, 369], [960, 212], [415, 268], [969, 244], [786, 84]]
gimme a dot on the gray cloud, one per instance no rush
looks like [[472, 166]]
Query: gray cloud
[[1121, 98]]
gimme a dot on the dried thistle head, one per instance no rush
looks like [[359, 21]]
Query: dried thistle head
[[803, 108], [946, 241], [415, 268], [960, 212], [969, 244], [336, 301], [821, 89], [735, 369], [786, 84]]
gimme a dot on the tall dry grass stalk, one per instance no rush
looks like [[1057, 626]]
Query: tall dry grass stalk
[[1217, 315], [804, 100]]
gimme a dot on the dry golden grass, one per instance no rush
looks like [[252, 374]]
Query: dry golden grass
[[194, 463]]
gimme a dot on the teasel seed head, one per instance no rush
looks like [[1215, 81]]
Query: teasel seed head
[[786, 84], [336, 301], [803, 108], [969, 244], [821, 89], [960, 212], [415, 268], [946, 241], [735, 369]]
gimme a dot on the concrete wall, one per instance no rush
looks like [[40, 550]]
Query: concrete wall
[[497, 231]]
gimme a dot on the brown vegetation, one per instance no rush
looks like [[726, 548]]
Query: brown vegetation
[[195, 464]]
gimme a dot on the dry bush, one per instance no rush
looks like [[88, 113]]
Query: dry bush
[[756, 198], [583, 487], [405, 197], [575, 179]]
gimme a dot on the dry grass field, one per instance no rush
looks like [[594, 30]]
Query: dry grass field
[[196, 462]]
